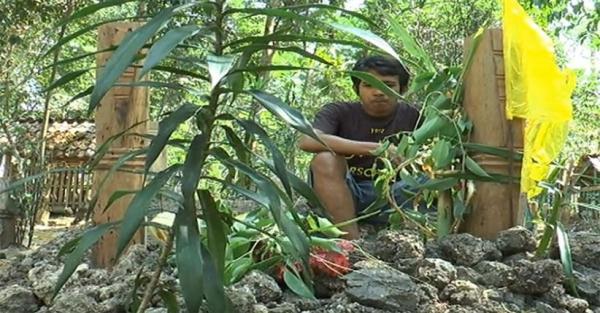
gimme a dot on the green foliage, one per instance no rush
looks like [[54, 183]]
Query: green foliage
[[233, 135], [201, 253]]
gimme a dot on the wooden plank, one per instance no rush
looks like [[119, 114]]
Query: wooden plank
[[75, 201], [61, 188], [51, 188], [121, 108], [68, 188], [495, 206]]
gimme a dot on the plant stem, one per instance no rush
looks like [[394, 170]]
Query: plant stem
[[155, 278]]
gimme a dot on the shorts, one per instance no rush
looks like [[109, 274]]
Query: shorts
[[364, 194]]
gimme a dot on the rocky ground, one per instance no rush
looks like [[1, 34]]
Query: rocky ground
[[393, 271]]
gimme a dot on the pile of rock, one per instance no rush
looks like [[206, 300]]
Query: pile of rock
[[396, 272]]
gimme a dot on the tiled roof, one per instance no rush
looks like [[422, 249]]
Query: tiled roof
[[65, 139]]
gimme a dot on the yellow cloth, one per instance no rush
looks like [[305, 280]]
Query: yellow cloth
[[536, 90]]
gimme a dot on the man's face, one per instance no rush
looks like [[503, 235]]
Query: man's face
[[374, 101]]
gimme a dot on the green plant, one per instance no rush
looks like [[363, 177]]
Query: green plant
[[216, 76], [438, 149]]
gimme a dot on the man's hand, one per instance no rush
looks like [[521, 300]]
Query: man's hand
[[389, 151]]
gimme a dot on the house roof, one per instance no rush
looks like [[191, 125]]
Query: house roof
[[71, 138]]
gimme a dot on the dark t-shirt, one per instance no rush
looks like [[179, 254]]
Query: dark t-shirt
[[349, 120]]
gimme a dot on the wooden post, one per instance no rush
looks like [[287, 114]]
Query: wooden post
[[121, 108], [495, 206]]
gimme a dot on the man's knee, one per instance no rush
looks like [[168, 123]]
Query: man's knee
[[329, 165]]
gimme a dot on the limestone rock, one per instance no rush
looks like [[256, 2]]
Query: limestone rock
[[493, 273], [515, 240], [585, 248], [392, 245], [436, 272], [76, 301], [241, 299], [535, 277], [264, 287], [503, 295], [461, 292], [588, 284], [465, 249], [43, 280], [284, 308], [16, 299], [467, 273], [383, 287]]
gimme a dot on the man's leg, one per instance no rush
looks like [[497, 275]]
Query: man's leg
[[329, 183]]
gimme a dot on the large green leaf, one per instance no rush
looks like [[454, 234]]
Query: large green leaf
[[188, 257], [475, 168], [216, 231], [497, 151], [270, 191], [82, 245], [441, 153], [237, 268], [79, 57], [367, 36], [67, 78], [218, 67], [431, 127], [259, 196], [250, 49], [179, 71], [170, 301], [458, 93], [276, 12], [265, 68], [165, 128], [439, 184], [279, 163], [155, 84], [192, 168], [296, 284], [288, 114], [134, 216], [373, 81], [305, 191], [125, 54], [296, 183], [118, 194], [407, 178], [18, 183], [91, 9], [566, 257], [297, 38], [550, 226], [166, 44], [330, 7], [284, 11], [214, 292], [410, 44], [80, 95], [80, 32], [236, 143], [419, 82]]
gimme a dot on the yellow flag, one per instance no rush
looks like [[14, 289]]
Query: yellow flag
[[538, 91]]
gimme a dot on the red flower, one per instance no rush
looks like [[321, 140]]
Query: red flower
[[325, 262]]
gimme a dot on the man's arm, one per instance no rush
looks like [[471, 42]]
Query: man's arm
[[339, 145]]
